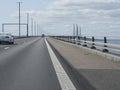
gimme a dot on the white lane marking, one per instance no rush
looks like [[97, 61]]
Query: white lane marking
[[6, 48], [64, 80]]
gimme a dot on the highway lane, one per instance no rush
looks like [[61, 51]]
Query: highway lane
[[27, 67], [23, 40], [4, 47]]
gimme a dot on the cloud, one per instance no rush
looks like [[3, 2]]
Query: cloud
[[92, 15]]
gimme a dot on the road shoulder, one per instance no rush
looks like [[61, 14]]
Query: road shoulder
[[89, 66]]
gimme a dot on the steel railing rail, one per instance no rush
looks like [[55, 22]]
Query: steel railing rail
[[105, 47]]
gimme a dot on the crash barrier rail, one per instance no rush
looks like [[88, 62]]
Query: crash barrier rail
[[17, 37], [92, 43]]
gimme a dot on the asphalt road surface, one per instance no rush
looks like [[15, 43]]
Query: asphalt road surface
[[27, 66], [4, 46]]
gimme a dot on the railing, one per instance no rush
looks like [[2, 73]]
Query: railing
[[92, 43], [17, 37]]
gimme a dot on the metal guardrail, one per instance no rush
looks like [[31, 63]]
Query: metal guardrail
[[91, 43], [17, 37]]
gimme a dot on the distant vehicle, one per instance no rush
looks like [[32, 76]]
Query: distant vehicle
[[6, 38], [43, 35]]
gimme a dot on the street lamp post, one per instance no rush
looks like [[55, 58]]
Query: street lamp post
[[19, 3], [37, 29], [73, 33], [27, 24], [31, 26], [34, 28], [2, 27]]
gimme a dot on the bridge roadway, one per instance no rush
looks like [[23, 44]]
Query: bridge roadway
[[27, 66], [90, 71]]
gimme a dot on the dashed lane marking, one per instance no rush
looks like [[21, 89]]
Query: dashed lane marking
[[6, 48]]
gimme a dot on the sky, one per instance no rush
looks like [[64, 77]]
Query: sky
[[56, 17]]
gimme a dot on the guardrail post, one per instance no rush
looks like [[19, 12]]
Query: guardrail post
[[70, 39], [85, 45], [64, 38], [67, 38], [93, 44], [58, 37], [79, 40], [61, 38], [73, 39], [105, 41]]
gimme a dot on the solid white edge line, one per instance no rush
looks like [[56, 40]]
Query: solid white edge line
[[64, 80]]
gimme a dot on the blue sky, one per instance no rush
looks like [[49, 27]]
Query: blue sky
[[95, 17]]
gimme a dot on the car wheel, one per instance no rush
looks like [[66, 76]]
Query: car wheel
[[9, 42], [12, 42]]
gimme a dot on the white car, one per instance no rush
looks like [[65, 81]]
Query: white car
[[7, 38]]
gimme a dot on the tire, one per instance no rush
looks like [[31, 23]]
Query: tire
[[10, 42]]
